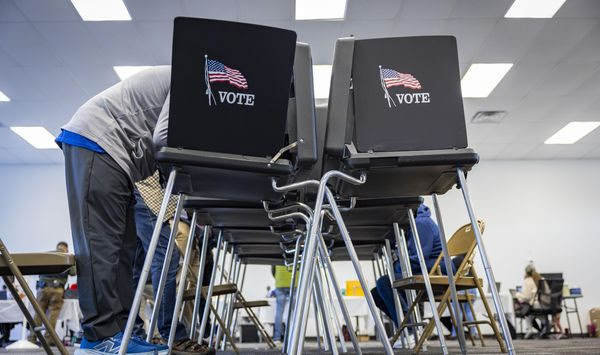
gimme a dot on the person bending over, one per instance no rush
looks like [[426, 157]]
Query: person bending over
[[108, 147]]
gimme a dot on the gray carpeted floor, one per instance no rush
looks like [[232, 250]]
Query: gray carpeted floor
[[529, 347]]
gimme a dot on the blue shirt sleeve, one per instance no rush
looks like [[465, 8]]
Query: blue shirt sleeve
[[77, 140]]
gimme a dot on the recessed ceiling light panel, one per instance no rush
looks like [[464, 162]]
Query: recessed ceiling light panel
[[102, 10], [3, 97], [572, 132], [37, 136], [125, 71], [320, 9], [534, 8], [481, 78]]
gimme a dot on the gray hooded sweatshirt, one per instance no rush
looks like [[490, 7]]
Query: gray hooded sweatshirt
[[122, 119]]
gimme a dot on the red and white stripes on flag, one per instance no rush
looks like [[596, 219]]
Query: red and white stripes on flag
[[218, 72], [394, 78]]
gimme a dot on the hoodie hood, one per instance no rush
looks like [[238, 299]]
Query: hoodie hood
[[423, 211]]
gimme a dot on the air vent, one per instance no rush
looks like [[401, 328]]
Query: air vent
[[488, 117]]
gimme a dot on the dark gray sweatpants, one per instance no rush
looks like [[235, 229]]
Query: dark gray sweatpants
[[101, 206]]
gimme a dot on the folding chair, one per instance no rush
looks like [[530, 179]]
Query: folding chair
[[18, 265], [242, 140], [462, 243], [396, 128]]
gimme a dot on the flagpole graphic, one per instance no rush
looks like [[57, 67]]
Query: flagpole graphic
[[206, 79], [384, 87]]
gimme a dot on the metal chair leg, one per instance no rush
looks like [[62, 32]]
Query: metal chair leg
[[336, 287], [182, 283], [327, 326], [211, 285], [425, 273], [199, 281], [165, 269], [450, 271], [292, 294], [485, 261], [135, 307], [221, 278], [397, 303]]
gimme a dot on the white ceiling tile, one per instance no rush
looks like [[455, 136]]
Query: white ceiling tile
[[477, 133], [594, 153], [122, 43], [321, 36], [7, 157], [15, 84], [470, 35], [579, 9], [427, 9], [9, 12], [558, 37], [533, 108], [58, 85], [55, 10], [545, 151], [588, 49], [489, 151], [55, 156], [158, 37], [214, 9], [521, 78], [509, 40], [37, 113], [480, 8], [367, 29], [564, 78], [8, 138], [516, 150], [154, 10], [6, 60], [406, 27], [265, 10], [575, 151], [25, 45], [373, 10]]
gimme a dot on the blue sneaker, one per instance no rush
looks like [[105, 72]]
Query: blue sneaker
[[112, 345], [161, 349]]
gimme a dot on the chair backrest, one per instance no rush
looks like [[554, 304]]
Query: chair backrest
[[549, 293], [395, 94], [230, 87], [462, 244]]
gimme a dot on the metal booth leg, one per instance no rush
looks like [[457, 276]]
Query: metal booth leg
[[397, 303], [135, 307], [182, 282], [358, 269], [486, 263], [211, 286], [199, 282], [450, 271], [429, 290], [165, 269]]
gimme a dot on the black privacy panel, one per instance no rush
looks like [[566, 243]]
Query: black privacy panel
[[407, 94], [230, 84]]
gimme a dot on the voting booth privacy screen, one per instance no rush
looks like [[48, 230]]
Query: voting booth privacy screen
[[407, 94], [230, 85]]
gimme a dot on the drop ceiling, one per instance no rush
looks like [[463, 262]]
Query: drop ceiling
[[51, 61]]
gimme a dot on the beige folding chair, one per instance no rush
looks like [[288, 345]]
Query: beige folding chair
[[462, 242], [21, 264]]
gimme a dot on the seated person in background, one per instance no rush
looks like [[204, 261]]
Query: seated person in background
[[283, 280], [51, 289], [429, 236], [528, 295]]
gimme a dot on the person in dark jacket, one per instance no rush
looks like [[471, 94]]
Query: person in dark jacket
[[429, 236]]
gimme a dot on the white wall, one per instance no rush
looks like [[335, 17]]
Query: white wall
[[547, 211]]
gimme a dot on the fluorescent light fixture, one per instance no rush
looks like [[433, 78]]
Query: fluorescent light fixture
[[534, 8], [481, 79], [125, 71], [3, 98], [321, 80], [39, 137], [320, 9], [572, 132], [102, 10]]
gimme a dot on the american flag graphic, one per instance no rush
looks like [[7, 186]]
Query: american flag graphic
[[219, 72], [393, 78]]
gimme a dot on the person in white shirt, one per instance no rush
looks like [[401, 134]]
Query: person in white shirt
[[528, 294]]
